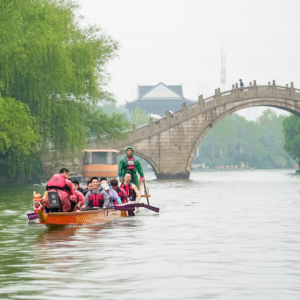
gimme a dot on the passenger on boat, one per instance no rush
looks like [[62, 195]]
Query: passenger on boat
[[79, 195], [122, 194], [114, 198], [88, 186], [96, 197], [78, 188], [130, 164], [64, 187], [131, 190], [102, 180]]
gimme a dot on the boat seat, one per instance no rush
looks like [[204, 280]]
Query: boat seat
[[54, 201]]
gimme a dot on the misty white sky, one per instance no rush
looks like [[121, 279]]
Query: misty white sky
[[179, 42]]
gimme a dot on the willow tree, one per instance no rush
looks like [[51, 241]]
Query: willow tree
[[291, 130], [139, 117], [49, 62], [18, 138]]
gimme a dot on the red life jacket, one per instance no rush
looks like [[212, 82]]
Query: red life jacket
[[130, 162], [57, 182], [96, 200], [122, 196], [129, 191]]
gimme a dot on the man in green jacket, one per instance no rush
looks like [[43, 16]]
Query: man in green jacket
[[131, 165]]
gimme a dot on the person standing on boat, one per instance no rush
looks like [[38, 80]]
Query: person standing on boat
[[131, 165], [96, 197], [134, 195]]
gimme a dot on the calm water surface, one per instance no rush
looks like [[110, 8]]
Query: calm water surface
[[219, 235]]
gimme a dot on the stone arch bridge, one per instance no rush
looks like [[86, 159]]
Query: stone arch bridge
[[169, 144]]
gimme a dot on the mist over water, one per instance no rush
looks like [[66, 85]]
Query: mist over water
[[220, 235]]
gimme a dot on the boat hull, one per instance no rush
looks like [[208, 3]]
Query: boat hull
[[81, 217]]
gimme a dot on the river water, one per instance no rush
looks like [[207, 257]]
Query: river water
[[220, 235]]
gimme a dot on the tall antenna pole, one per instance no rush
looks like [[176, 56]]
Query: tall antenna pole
[[223, 69]]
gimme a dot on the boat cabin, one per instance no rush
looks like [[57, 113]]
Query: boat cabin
[[99, 163]]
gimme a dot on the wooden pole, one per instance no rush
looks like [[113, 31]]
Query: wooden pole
[[146, 192]]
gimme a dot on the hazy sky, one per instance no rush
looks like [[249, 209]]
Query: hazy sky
[[179, 42]]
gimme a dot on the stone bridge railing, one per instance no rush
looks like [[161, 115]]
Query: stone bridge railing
[[202, 105]]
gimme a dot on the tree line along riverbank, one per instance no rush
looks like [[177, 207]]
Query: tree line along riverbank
[[53, 95]]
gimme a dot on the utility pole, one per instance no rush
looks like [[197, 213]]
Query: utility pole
[[223, 69]]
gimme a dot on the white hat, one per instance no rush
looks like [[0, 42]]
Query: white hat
[[105, 186]]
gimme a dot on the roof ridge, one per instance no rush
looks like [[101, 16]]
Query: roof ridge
[[170, 88]]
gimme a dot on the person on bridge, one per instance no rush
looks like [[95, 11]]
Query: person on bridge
[[64, 187], [241, 85], [130, 164]]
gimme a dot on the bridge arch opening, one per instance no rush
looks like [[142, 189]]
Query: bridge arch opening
[[223, 113]]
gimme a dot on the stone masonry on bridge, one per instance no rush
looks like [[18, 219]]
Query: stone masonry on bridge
[[170, 144]]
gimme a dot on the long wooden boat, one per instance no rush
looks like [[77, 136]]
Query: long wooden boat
[[80, 217], [86, 217]]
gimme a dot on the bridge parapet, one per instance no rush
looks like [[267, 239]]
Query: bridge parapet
[[235, 94], [169, 144]]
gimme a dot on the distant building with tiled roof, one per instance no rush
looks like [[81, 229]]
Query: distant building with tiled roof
[[157, 99]]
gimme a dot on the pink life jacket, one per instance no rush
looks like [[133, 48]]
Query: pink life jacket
[[130, 162], [57, 182], [96, 200], [80, 197]]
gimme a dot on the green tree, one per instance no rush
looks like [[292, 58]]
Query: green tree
[[234, 139], [139, 117], [103, 126], [110, 108], [51, 63], [56, 68], [291, 129], [18, 137]]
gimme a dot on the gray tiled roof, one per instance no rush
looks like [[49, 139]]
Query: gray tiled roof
[[143, 89], [176, 88]]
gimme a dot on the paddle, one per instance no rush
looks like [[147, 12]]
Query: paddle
[[129, 208], [32, 216], [128, 205], [156, 209]]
